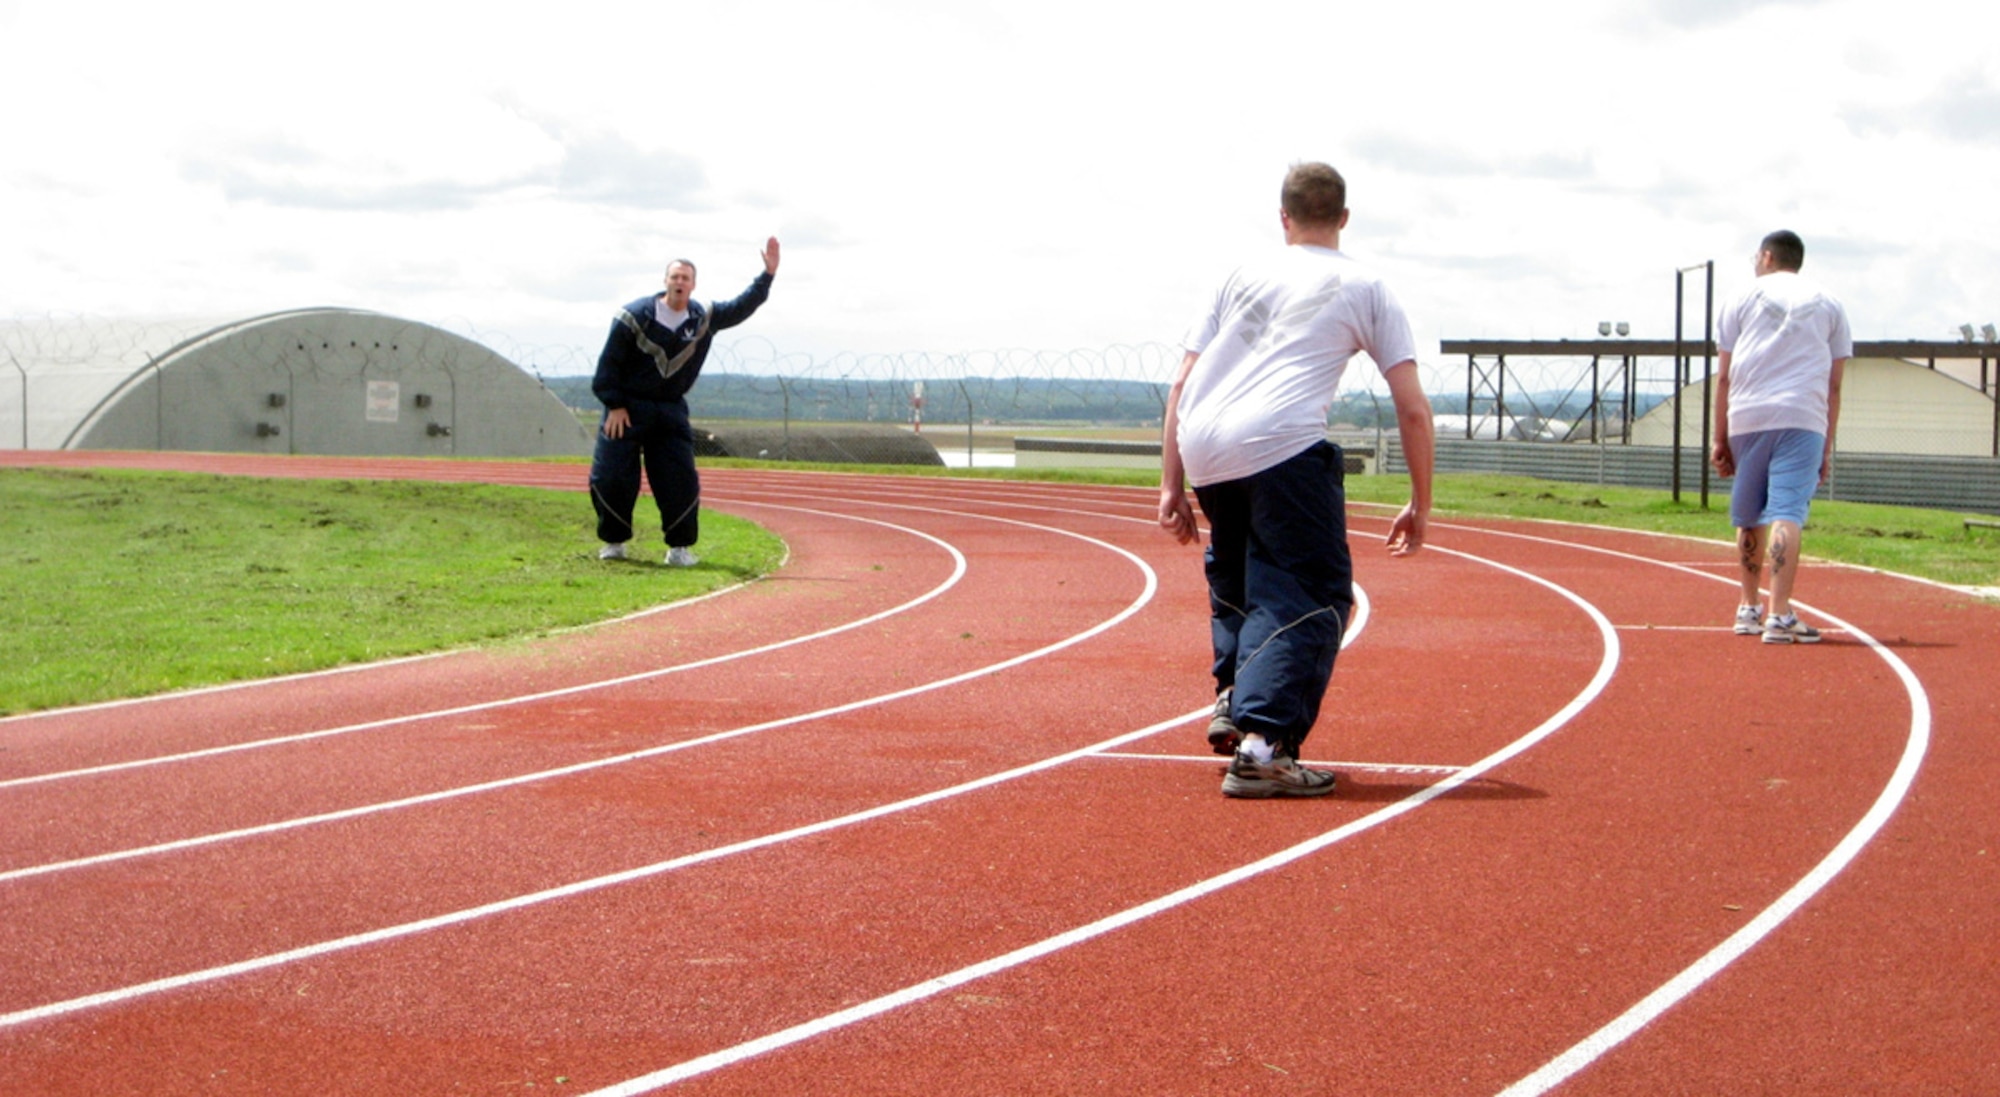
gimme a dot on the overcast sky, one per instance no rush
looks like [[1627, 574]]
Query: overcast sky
[[953, 177]]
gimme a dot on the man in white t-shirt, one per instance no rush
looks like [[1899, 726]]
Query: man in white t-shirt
[[1246, 427], [1784, 344]]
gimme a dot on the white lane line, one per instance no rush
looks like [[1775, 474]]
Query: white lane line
[[598, 883], [1218, 760], [1646, 1010], [1703, 628], [158, 986], [931, 987], [1144, 597], [957, 573]]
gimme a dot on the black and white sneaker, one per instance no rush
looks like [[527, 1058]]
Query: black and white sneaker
[[1789, 630], [1249, 779], [1223, 735]]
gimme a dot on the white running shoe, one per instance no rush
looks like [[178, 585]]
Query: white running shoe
[[1749, 620], [681, 557], [612, 551], [1789, 630], [1283, 776]]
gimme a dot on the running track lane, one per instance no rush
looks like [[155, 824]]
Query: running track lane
[[404, 1074], [476, 816], [1618, 809]]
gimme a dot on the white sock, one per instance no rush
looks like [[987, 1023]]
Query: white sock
[[1254, 745]]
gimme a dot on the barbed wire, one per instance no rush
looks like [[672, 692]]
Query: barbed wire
[[55, 367]]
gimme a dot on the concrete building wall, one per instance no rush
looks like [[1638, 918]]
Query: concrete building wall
[[320, 381], [1886, 406]]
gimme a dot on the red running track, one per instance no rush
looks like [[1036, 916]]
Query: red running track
[[928, 811]]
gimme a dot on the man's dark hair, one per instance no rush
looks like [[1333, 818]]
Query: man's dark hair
[[1788, 252], [688, 263], [1314, 194]]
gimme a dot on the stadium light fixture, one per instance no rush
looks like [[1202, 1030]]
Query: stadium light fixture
[[1624, 328], [1604, 327], [1965, 330], [1991, 335]]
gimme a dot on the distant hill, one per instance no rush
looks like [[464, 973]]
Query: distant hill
[[1023, 400], [851, 400]]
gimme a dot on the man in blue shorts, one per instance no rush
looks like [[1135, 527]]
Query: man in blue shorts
[[1783, 344], [1246, 426]]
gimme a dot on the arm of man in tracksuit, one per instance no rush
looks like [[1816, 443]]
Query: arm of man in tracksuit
[[609, 382], [728, 314]]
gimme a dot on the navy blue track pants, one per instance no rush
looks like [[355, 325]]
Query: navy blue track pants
[[1280, 590], [661, 439]]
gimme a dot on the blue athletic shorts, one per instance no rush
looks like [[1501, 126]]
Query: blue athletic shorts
[[1777, 472]]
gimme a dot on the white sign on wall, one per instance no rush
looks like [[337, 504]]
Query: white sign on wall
[[385, 399]]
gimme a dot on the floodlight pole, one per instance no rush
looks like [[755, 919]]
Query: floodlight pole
[[1707, 368], [1681, 367], [1680, 378]]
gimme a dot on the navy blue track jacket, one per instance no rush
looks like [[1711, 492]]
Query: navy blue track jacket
[[629, 369]]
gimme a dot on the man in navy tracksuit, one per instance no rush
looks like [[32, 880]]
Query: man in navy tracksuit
[[650, 360]]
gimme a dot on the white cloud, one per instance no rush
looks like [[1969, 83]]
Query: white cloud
[[978, 176]]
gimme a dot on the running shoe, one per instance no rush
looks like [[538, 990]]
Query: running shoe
[[612, 551], [1749, 621], [1249, 779], [681, 557], [1789, 630], [1223, 735]]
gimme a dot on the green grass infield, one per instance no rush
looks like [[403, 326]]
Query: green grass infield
[[118, 584]]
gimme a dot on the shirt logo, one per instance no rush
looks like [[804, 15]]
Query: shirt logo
[[1261, 331]]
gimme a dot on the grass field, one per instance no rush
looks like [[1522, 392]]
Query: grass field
[[116, 584]]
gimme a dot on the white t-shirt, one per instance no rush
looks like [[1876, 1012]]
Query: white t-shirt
[[1272, 349], [670, 319], [1783, 336]]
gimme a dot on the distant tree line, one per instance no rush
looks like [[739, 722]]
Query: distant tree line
[[1078, 401]]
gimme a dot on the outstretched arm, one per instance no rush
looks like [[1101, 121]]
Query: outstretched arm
[[728, 314], [1413, 424]]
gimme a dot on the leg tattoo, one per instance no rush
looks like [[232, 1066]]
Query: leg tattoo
[[1779, 551], [1753, 561]]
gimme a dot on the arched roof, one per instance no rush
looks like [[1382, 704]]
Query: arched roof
[[317, 380]]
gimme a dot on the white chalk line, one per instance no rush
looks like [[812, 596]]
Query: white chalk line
[[1731, 629], [597, 883], [407, 929], [1218, 760], [1673, 991], [938, 985], [957, 573], [1363, 609], [160, 986], [1144, 597]]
